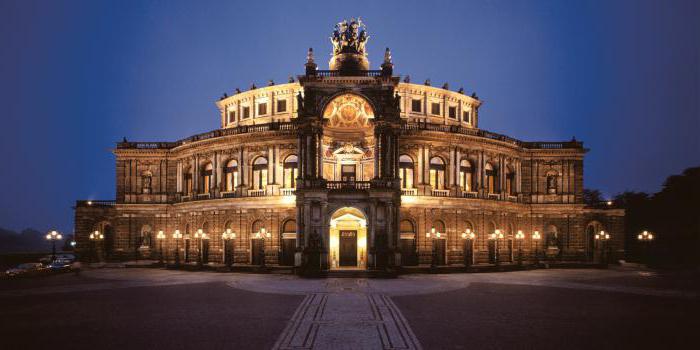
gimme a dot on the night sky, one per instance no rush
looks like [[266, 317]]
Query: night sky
[[77, 76]]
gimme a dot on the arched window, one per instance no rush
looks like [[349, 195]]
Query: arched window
[[510, 181], [187, 189], [552, 183], [437, 173], [257, 226], [406, 226], [466, 176], [207, 171], [406, 171], [231, 175], [146, 182], [491, 178], [290, 226], [259, 173], [205, 228], [439, 226], [290, 172]]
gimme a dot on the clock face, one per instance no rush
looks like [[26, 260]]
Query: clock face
[[348, 111]]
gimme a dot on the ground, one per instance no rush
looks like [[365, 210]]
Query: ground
[[545, 309]]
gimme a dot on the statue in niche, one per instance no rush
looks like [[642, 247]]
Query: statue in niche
[[147, 184], [552, 239], [552, 184], [146, 238]]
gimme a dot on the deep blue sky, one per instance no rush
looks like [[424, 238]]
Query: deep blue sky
[[76, 76]]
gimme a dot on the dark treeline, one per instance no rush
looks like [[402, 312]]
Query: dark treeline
[[673, 215]]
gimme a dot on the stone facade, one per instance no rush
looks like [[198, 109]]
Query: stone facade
[[344, 162]]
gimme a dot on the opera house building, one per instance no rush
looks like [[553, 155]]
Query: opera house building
[[350, 168]]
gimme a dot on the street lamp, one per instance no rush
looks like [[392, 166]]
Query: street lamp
[[227, 236], [468, 236], [177, 236], [160, 237], [433, 234], [536, 238], [645, 238], [602, 237], [201, 236], [94, 238], [495, 236], [262, 234], [53, 236], [519, 237]]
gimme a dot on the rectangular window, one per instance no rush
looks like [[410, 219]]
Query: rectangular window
[[246, 112], [416, 106], [465, 117], [453, 112], [347, 172], [281, 106], [262, 109], [231, 116], [435, 108]]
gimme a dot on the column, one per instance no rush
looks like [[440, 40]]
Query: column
[[178, 180], [419, 165], [270, 164]]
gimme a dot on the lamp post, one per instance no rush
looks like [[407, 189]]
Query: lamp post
[[468, 236], [262, 234], [433, 234], [536, 239], [160, 237], [201, 236], [645, 239], [227, 236], [519, 237], [53, 236], [177, 236], [602, 237], [495, 236], [94, 238]]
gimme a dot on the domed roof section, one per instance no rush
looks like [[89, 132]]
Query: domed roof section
[[349, 54]]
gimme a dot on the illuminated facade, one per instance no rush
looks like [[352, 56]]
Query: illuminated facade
[[350, 168]]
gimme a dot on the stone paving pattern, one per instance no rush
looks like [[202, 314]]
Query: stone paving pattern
[[543, 309]]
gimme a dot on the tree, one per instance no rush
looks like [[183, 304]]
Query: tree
[[592, 197]]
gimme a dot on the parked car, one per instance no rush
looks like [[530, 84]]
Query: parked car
[[25, 269], [47, 260], [60, 264]]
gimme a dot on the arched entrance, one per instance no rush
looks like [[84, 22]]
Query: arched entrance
[[348, 239]]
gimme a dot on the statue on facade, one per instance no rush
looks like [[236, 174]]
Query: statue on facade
[[300, 103]]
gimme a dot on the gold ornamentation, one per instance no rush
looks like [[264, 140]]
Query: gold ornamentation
[[348, 111]]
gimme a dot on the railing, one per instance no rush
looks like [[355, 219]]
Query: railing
[[441, 193], [203, 196], [96, 203], [348, 185], [256, 193], [512, 198], [336, 73], [288, 191], [470, 194], [490, 135], [230, 194], [492, 196], [409, 191], [242, 129]]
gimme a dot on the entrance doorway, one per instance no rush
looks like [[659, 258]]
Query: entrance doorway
[[257, 251], [348, 239], [348, 248], [439, 251]]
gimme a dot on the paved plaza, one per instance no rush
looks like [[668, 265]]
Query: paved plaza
[[544, 309]]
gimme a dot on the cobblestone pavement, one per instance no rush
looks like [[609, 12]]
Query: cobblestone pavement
[[147, 308]]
